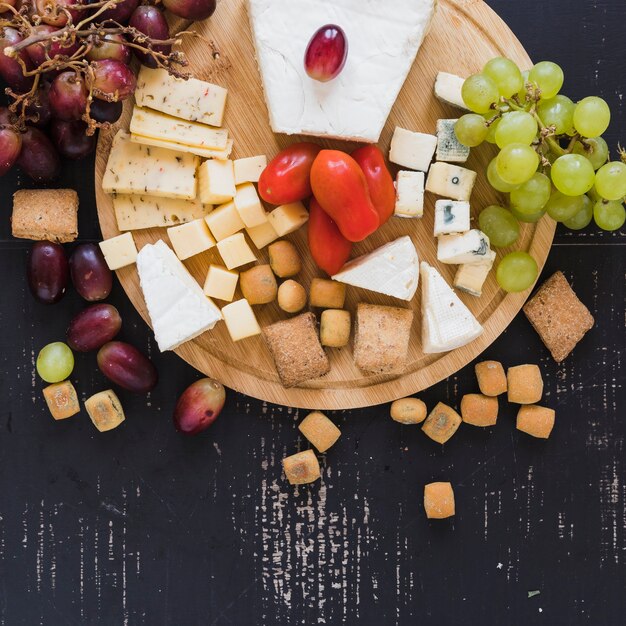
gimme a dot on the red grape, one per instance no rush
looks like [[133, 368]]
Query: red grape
[[198, 406], [151, 22], [68, 96], [71, 139], [90, 274], [113, 78], [39, 158], [10, 148], [39, 52], [93, 327], [121, 12], [103, 111], [326, 53], [10, 69], [191, 9], [4, 9], [127, 367], [40, 107], [108, 49], [53, 12], [48, 271]]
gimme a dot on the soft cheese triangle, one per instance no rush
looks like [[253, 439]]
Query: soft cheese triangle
[[392, 269], [447, 323], [382, 43], [178, 308]]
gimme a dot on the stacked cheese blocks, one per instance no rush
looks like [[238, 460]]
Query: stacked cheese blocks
[[174, 170]]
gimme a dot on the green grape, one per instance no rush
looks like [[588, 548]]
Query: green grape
[[528, 218], [517, 163], [573, 174], [558, 112], [471, 130], [493, 127], [499, 225], [562, 208], [611, 181], [609, 215], [583, 218], [548, 77], [479, 92], [592, 116], [532, 196], [516, 127], [595, 149], [495, 181], [523, 93], [505, 74], [55, 362], [517, 272]]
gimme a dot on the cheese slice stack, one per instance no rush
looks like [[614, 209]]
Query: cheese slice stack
[[447, 323], [383, 39]]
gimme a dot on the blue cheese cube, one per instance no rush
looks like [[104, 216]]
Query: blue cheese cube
[[414, 151], [450, 181], [449, 148], [451, 217], [409, 194], [470, 247]]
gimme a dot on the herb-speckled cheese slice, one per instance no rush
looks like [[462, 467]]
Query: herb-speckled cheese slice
[[207, 153]]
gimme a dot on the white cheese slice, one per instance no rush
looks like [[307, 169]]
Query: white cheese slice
[[451, 217], [447, 323], [392, 269], [470, 278], [469, 247], [382, 44], [412, 150], [178, 308], [409, 194], [448, 89]]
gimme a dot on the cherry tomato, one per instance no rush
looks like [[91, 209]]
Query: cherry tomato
[[329, 248], [379, 181]]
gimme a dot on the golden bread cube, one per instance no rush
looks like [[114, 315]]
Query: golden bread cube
[[327, 294], [479, 410], [525, 385], [301, 468], [439, 500], [319, 430], [291, 296], [537, 421], [105, 410], [335, 328], [258, 284], [284, 259], [62, 400], [442, 422], [491, 378], [408, 411]]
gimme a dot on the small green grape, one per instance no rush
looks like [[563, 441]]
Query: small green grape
[[493, 127], [528, 218], [532, 196], [499, 225], [495, 181], [471, 130], [562, 208], [558, 112], [573, 174], [479, 92], [523, 93], [517, 272], [609, 215], [55, 362], [505, 74], [592, 116], [611, 181], [595, 149], [583, 218], [548, 77], [517, 163], [516, 127]]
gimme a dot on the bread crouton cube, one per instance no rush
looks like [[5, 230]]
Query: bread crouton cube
[[45, 215], [335, 328], [491, 378], [62, 400], [105, 410], [408, 411], [327, 294], [442, 422], [319, 430], [301, 468], [525, 385], [439, 500], [284, 259], [479, 410], [258, 285], [537, 421]]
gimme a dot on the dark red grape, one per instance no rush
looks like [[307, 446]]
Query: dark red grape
[[39, 110], [71, 139], [113, 78], [326, 53], [151, 22], [47, 271], [191, 9], [10, 148], [121, 12], [198, 406], [6, 117], [103, 111], [127, 367], [68, 96], [93, 327], [53, 12], [108, 49], [90, 274], [39, 158], [39, 52], [10, 69], [5, 8]]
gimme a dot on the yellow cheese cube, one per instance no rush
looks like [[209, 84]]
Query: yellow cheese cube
[[105, 410], [288, 218], [240, 320], [190, 239], [216, 181], [62, 400], [262, 235], [249, 206], [224, 221], [220, 283], [119, 251], [235, 251], [249, 170], [319, 430]]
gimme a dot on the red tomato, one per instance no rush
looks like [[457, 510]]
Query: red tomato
[[379, 181], [329, 248], [286, 177]]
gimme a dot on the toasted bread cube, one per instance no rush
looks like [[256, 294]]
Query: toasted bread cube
[[284, 259], [319, 430], [479, 410], [240, 320], [335, 328], [408, 411], [249, 207], [291, 296], [439, 500], [190, 239], [62, 400], [220, 283], [45, 215], [525, 385], [258, 285], [105, 410], [327, 294], [491, 378], [442, 422], [301, 468], [537, 421]]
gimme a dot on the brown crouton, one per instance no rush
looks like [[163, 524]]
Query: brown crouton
[[45, 215]]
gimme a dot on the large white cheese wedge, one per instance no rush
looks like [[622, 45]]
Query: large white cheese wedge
[[392, 269], [383, 39], [447, 323], [177, 306]]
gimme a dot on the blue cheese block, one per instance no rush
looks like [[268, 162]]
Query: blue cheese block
[[450, 181], [470, 247], [449, 148], [451, 217]]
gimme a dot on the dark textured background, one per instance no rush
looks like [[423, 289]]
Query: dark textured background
[[141, 526]]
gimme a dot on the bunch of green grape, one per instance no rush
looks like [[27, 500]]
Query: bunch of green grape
[[552, 157]]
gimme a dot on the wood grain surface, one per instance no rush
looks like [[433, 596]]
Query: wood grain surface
[[471, 33]]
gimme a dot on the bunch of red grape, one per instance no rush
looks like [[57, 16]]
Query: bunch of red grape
[[66, 64]]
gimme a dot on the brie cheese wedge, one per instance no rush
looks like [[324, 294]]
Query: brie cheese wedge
[[382, 44], [447, 323], [392, 269], [178, 309]]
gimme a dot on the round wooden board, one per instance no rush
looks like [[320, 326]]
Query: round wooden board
[[463, 35]]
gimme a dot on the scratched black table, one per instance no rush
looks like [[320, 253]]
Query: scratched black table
[[142, 526]]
